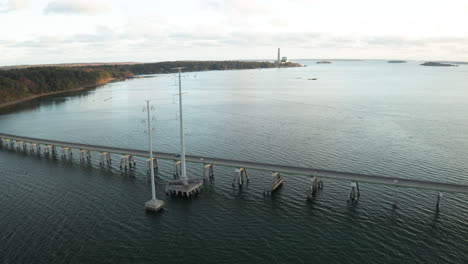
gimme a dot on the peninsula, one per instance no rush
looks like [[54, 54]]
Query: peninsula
[[26, 83], [431, 63]]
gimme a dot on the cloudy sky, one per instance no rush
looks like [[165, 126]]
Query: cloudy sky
[[62, 31]]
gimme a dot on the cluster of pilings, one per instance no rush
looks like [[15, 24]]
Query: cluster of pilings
[[105, 157], [66, 151], [314, 187], [208, 173], [184, 187], [187, 187], [276, 182], [241, 176], [127, 161], [177, 187]]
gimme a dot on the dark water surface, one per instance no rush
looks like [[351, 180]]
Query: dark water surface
[[400, 120]]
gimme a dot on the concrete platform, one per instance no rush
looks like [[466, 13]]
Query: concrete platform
[[154, 205], [178, 188]]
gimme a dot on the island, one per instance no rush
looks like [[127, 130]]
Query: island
[[396, 61], [323, 62], [18, 84], [439, 64]]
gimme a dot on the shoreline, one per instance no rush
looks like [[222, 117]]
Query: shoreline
[[31, 97]]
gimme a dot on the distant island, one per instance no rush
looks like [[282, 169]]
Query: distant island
[[431, 63], [29, 82], [455, 62], [396, 61], [323, 62]]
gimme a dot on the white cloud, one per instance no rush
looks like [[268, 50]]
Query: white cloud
[[12, 5], [150, 30], [75, 7]]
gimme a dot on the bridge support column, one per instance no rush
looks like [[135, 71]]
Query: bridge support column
[[32, 147], [240, 175], [6, 143], [85, 153], [176, 169], [19, 144], [155, 165], [105, 158], [47, 150], [315, 186], [209, 172], [127, 160], [354, 194], [66, 151], [277, 181]]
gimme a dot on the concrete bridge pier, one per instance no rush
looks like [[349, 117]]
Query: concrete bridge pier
[[127, 160], [209, 172], [84, 153], [7, 143], [354, 194], [66, 151], [105, 157], [155, 165], [32, 147], [176, 169], [19, 144], [276, 182], [47, 150], [315, 186], [240, 175]]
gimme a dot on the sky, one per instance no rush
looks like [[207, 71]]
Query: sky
[[68, 31]]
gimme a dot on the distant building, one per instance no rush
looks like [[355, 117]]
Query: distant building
[[278, 61], [281, 60]]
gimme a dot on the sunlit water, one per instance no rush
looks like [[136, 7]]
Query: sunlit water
[[400, 120]]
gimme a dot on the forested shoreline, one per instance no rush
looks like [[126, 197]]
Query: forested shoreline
[[21, 84]]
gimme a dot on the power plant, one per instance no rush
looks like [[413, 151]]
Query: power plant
[[281, 60]]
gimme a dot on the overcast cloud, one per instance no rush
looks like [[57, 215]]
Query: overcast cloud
[[58, 31], [12, 5], [75, 7]]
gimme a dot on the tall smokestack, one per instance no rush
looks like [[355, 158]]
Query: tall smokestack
[[279, 56]]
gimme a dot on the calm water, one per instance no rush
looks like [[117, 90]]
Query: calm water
[[400, 120]]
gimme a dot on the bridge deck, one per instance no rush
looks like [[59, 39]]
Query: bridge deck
[[394, 181]]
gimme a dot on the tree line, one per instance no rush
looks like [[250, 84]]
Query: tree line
[[17, 84]]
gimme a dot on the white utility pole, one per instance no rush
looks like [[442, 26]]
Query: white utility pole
[[182, 141], [153, 187], [154, 204]]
